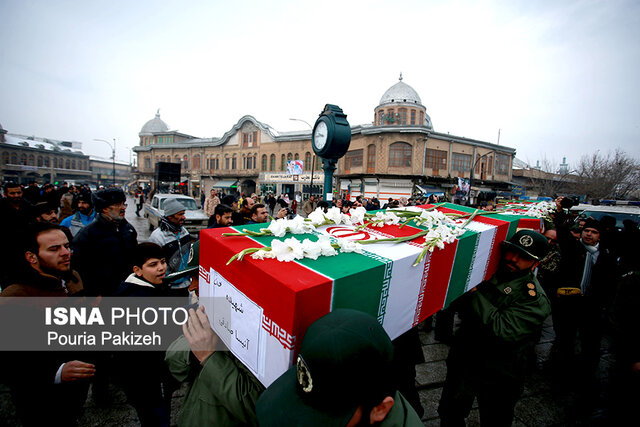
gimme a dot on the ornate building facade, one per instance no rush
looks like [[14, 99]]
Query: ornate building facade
[[25, 159], [398, 154]]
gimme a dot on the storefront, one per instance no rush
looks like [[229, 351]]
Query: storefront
[[294, 185]]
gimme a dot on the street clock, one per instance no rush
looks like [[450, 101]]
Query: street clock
[[331, 133]]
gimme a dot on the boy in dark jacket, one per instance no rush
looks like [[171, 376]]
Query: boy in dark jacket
[[146, 379]]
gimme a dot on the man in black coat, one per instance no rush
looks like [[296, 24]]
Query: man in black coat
[[588, 274], [15, 214], [103, 250]]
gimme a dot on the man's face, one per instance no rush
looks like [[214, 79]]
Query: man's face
[[224, 220], [84, 207], [50, 217], [177, 218], [14, 194], [234, 206], [515, 261], [54, 255], [260, 216], [153, 270], [116, 212], [590, 236], [250, 203], [552, 237]]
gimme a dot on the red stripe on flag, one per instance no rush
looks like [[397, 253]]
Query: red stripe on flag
[[435, 281], [500, 236], [531, 223], [290, 294]]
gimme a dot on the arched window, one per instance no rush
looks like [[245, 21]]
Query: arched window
[[399, 154], [413, 116], [234, 162], [283, 163], [403, 116], [307, 161], [40, 162], [296, 157], [196, 162], [23, 159], [289, 156], [67, 164], [264, 162], [5, 157], [272, 162], [73, 164], [176, 159], [380, 117], [185, 162], [14, 159], [32, 160], [47, 161], [371, 158]]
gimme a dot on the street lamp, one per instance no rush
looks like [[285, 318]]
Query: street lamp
[[474, 167], [113, 151], [313, 156]]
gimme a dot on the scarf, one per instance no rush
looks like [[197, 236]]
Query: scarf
[[590, 261], [166, 225]]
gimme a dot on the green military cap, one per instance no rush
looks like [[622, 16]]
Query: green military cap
[[192, 264], [345, 360], [529, 242]]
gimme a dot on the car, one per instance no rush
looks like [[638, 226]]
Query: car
[[620, 213], [195, 219]]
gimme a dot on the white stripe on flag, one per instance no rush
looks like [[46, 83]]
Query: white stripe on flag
[[484, 244]]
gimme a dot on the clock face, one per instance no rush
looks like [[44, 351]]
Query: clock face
[[320, 136]]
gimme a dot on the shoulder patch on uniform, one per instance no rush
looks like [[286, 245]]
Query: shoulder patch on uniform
[[532, 293], [531, 285]]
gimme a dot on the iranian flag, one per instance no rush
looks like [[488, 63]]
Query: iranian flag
[[261, 308]]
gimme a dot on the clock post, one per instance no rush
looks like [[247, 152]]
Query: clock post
[[330, 140]]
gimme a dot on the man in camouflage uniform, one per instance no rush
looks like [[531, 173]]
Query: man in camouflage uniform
[[501, 323]]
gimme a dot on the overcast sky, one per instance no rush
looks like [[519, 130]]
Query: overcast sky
[[558, 78]]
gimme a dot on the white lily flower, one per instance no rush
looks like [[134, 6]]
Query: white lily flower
[[357, 215], [263, 255], [334, 215], [325, 246], [311, 249], [278, 227], [349, 246], [288, 250], [298, 225], [317, 217], [391, 218]]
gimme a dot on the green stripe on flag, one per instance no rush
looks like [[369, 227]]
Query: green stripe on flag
[[467, 244]]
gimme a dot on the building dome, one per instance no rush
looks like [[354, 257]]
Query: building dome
[[154, 125], [400, 93]]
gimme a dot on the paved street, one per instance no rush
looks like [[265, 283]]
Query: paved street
[[543, 403]]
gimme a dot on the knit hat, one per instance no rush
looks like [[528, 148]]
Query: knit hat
[[172, 207], [591, 223], [344, 362], [107, 197]]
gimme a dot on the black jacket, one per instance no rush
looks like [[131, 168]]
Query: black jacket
[[103, 255]]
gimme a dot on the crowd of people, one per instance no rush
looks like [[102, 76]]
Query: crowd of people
[[69, 241]]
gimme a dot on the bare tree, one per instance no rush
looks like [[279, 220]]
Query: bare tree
[[613, 175]]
